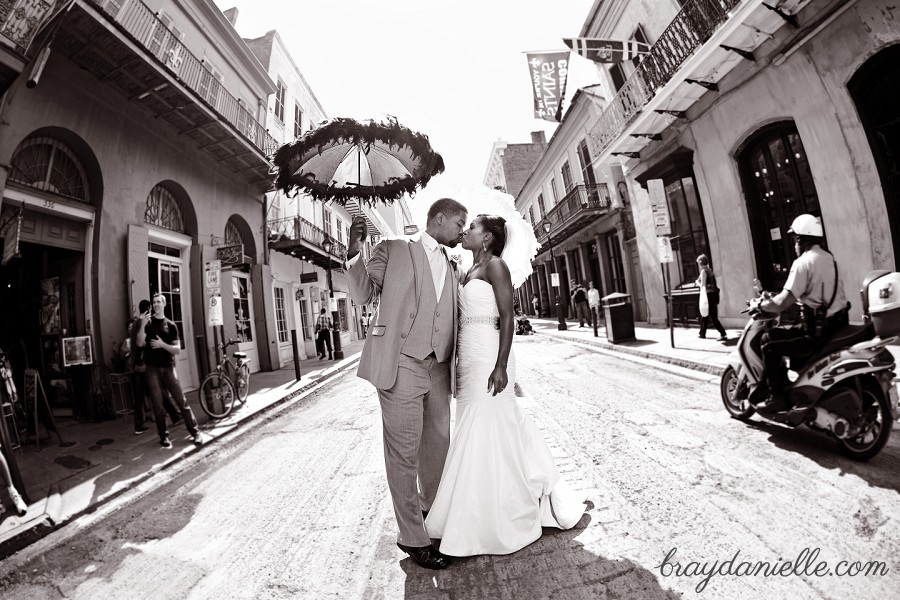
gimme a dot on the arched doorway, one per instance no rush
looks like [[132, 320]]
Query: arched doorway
[[875, 88], [778, 186]]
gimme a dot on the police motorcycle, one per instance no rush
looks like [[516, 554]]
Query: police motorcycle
[[845, 388]]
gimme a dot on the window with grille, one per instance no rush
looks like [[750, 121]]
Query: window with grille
[[298, 120], [163, 210], [280, 316], [210, 84], [240, 289], [568, 184], [279, 101], [47, 164], [232, 234]]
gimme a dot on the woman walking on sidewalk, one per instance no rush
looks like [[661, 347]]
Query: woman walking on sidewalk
[[708, 288]]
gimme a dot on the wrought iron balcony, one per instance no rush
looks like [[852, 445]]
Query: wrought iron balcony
[[21, 20], [296, 235], [578, 208], [126, 46], [691, 27]]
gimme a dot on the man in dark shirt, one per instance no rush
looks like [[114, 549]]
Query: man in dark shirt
[[579, 297], [161, 336], [323, 334]]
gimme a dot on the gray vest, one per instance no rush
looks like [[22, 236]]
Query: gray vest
[[432, 323]]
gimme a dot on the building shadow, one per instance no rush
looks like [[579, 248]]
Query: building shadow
[[555, 566]]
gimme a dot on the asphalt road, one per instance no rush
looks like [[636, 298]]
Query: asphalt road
[[297, 506]]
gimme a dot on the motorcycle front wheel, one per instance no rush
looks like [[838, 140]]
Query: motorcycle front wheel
[[734, 396], [867, 445]]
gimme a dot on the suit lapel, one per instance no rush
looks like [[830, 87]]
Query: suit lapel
[[421, 269]]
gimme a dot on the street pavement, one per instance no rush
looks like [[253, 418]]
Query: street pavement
[[101, 461]]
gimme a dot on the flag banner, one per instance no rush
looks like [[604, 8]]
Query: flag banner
[[11, 233], [549, 71], [607, 51]]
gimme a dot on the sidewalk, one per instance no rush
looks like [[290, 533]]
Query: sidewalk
[[99, 461]]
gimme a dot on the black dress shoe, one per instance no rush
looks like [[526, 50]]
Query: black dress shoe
[[427, 556]]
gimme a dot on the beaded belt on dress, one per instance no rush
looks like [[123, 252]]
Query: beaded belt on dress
[[495, 321]]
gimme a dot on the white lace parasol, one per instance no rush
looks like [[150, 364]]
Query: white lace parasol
[[521, 245]]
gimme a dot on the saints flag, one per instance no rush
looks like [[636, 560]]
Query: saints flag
[[607, 51], [549, 71]]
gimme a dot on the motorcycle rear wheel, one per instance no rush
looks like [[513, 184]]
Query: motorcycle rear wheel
[[735, 398], [862, 450]]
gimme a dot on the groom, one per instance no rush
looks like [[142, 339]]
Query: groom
[[408, 356]]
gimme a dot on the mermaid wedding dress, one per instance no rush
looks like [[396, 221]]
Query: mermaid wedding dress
[[500, 484]]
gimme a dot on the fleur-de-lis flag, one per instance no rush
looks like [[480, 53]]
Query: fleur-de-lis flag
[[606, 51]]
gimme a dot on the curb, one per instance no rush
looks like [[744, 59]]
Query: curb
[[671, 360], [50, 518]]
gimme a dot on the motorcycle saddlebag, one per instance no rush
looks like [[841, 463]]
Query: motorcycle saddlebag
[[883, 295]]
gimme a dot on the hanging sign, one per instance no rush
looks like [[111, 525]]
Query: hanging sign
[[664, 247], [231, 255], [11, 238], [660, 206], [554, 279], [215, 311]]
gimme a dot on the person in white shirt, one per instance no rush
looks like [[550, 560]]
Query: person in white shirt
[[594, 302]]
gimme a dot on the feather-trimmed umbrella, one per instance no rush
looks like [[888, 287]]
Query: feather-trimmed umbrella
[[347, 159]]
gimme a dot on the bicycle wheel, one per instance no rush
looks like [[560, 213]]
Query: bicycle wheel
[[242, 382], [217, 395]]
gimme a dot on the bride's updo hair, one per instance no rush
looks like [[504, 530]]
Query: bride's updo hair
[[497, 226]]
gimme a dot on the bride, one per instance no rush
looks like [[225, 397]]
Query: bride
[[500, 484]]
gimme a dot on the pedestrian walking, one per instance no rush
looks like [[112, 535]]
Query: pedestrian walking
[[323, 334], [593, 295], [709, 299], [536, 303], [579, 297]]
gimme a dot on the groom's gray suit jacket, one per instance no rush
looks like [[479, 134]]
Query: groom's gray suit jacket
[[410, 319]]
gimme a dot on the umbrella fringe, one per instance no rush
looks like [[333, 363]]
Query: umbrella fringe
[[350, 131]]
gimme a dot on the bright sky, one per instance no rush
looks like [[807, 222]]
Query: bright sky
[[452, 69]]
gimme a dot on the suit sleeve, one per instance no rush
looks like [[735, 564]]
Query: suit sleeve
[[367, 279]]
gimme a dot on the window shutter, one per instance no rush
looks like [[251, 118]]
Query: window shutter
[[138, 268]]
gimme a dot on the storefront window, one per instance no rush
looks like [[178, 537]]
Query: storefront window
[[240, 289], [688, 229], [343, 314], [165, 278], [304, 319], [280, 316]]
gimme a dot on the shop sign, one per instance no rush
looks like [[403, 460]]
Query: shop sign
[[231, 255], [215, 311], [11, 238]]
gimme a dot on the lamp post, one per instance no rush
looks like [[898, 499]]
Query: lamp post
[[559, 309], [327, 245]]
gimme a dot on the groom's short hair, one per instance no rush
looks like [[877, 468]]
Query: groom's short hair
[[448, 206]]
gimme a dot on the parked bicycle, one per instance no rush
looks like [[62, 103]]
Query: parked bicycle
[[229, 382]]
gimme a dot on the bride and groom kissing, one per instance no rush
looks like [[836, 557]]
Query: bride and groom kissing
[[438, 332]]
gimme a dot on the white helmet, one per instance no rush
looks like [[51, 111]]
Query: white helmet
[[807, 226]]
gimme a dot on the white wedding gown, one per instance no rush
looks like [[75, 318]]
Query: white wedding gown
[[500, 484]]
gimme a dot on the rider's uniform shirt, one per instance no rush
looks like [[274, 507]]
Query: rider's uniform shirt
[[811, 281]]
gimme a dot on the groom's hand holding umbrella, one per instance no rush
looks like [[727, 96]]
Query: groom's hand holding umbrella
[[358, 232]]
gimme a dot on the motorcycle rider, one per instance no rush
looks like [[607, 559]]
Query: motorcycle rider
[[815, 283]]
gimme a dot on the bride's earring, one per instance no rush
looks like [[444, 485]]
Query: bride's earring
[[484, 245]]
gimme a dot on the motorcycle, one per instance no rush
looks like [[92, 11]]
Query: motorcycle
[[845, 388], [523, 326]]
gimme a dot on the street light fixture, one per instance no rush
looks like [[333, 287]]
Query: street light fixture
[[327, 245], [559, 309]]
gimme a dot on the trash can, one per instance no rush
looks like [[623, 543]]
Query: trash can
[[619, 317]]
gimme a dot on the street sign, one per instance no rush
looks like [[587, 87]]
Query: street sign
[[554, 279], [215, 311], [664, 247], [213, 265], [659, 206], [212, 279]]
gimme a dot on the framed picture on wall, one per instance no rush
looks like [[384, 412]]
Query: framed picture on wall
[[77, 351]]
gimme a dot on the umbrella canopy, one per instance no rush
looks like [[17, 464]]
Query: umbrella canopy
[[345, 159]]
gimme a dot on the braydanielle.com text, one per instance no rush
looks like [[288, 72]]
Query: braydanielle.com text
[[807, 563]]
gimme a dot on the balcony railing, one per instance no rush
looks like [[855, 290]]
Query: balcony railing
[[298, 228], [580, 198], [20, 21], [691, 27], [148, 30]]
